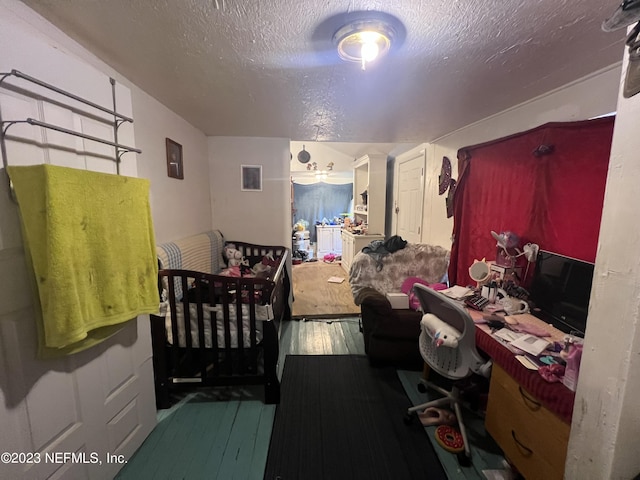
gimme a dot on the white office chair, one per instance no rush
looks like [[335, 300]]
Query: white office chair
[[454, 357]]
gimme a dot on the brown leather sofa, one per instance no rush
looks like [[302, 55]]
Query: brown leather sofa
[[391, 335]]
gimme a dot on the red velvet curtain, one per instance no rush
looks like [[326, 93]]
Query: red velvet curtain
[[546, 185]]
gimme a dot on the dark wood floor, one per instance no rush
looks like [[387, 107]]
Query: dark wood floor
[[224, 433]]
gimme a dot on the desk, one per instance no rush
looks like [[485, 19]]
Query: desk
[[527, 416], [554, 396]]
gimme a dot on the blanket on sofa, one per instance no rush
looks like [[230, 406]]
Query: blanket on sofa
[[387, 273]]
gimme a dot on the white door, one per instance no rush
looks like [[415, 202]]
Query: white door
[[410, 198], [100, 401]]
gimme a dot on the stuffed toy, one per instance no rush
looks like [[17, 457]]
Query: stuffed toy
[[233, 256], [442, 333], [263, 268], [436, 416]]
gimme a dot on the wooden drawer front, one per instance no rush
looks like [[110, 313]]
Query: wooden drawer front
[[533, 438]]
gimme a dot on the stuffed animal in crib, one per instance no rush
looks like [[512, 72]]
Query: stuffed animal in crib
[[442, 333], [263, 268], [233, 256]]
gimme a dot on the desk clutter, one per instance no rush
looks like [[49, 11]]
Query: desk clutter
[[538, 346]]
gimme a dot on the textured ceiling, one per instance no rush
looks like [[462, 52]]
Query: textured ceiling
[[268, 69]]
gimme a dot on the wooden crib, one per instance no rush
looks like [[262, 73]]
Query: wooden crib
[[214, 329]]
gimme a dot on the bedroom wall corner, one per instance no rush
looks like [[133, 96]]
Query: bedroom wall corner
[[260, 217]]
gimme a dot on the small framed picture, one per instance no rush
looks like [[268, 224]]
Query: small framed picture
[[174, 160], [251, 178]]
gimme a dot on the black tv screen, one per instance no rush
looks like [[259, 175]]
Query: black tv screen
[[560, 291]]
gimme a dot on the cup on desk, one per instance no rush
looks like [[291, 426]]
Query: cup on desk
[[514, 306], [490, 292]]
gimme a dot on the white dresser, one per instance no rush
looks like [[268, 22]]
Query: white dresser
[[328, 240], [352, 244]]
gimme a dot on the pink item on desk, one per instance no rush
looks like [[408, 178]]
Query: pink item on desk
[[552, 373], [531, 329]]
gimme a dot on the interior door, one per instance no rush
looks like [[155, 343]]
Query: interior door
[[410, 201], [93, 403]]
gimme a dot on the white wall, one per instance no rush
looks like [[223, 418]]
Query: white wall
[[322, 155], [589, 97], [262, 217], [606, 420], [180, 207]]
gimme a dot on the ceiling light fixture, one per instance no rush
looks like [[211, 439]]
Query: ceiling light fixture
[[364, 41]]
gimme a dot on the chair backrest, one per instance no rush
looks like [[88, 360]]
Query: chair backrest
[[454, 363]]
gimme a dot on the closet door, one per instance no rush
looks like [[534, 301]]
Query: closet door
[[99, 401]]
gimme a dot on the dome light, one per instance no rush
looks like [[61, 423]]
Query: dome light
[[364, 41]]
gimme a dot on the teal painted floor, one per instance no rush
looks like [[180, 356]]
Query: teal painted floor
[[206, 438], [486, 456], [224, 433]]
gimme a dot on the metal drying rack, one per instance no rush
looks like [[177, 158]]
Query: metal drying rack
[[118, 119]]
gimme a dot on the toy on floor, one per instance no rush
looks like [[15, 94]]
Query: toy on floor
[[436, 416], [449, 438]]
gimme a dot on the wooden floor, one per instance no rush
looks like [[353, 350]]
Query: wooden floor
[[224, 433], [340, 336], [316, 297]]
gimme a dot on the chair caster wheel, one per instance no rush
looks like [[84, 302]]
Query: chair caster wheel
[[463, 460], [422, 388], [408, 419]]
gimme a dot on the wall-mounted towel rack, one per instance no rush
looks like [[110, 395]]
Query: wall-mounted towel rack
[[38, 123], [118, 119]]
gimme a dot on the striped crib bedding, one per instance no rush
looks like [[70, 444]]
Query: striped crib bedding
[[263, 313]]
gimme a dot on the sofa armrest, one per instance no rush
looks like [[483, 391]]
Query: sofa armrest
[[374, 309], [374, 299], [382, 321]]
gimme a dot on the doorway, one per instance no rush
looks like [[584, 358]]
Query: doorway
[[410, 197]]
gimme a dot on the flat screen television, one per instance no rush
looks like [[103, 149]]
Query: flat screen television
[[560, 291]]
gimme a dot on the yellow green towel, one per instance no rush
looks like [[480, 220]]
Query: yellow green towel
[[89, 238]]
